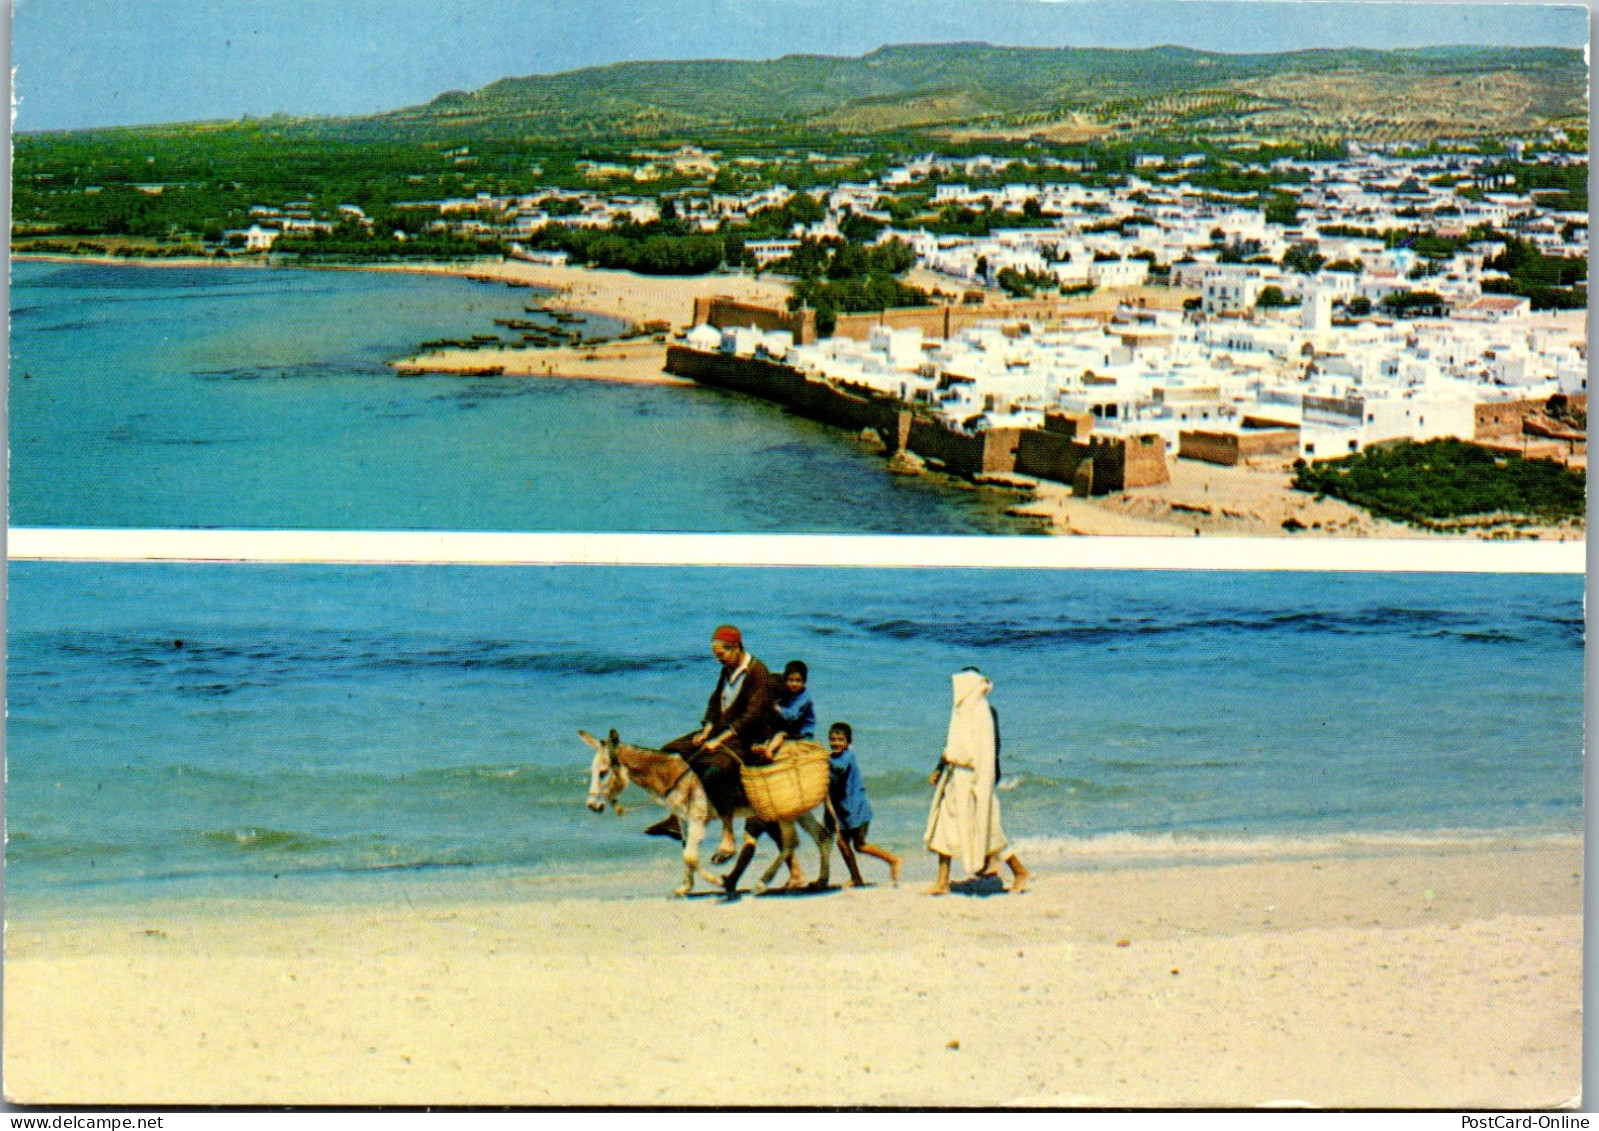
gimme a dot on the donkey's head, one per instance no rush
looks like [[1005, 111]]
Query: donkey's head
[[607, 776]]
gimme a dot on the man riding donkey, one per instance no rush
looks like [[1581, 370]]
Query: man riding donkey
[[740, 719]]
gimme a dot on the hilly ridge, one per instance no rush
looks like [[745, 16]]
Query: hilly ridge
[[1018, 91]]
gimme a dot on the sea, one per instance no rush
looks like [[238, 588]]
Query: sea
[[205, 397], [310, 732]]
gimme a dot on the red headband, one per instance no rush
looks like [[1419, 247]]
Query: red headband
[[727, 634]]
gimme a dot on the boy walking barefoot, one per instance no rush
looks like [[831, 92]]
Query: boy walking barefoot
[[847, 794]]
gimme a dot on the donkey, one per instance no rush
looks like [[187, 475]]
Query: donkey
[[617, 764]]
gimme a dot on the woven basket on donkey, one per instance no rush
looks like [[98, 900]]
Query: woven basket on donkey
[[794, 784]]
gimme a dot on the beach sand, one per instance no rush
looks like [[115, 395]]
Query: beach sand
[[619, 294], [631, 362], [1249, 502], [1428, 978]]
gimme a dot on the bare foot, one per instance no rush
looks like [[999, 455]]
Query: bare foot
[[1023, 877], [893, 870], [938, 889]]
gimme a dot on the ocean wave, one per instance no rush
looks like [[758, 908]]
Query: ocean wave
[[291, 658], [1013, 634], [1111, 848], [25, 847], [267, 373], [253, 839]]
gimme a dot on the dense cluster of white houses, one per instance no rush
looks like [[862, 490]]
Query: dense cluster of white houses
[[1338, 388], [1082, 235], [1232, 363]]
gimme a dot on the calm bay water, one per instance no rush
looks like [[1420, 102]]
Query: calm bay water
[[254, 728], [145, 396]]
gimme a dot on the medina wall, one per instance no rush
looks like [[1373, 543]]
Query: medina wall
[[1109, 463], [725, 312], [1229, 449]]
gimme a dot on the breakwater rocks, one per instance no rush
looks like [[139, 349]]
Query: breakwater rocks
[[1060, 451]]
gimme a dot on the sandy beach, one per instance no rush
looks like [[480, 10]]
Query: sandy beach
[[619, 294], [1428, 978], [630, 362], [1209, 500]]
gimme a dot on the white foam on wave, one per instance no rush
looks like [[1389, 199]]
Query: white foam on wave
[[1113, 848]]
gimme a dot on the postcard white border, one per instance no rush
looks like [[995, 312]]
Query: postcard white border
[[843, 550]]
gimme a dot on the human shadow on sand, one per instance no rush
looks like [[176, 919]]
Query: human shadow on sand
[[779, 892], [981, 886]]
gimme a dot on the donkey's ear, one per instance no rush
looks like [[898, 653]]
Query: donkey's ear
[[589, 738], [615, 738]]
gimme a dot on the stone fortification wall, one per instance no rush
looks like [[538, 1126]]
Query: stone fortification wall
[[725, 312], [1232, 448], [1497, 420], [1504, 420], [949, 320], [1131, 461], [787, 386], [1108, 463], [932, 321]]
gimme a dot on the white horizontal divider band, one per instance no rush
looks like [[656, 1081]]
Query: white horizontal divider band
[[1422, 555]]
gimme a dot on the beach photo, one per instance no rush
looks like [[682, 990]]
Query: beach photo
[[1154, 269], [354, 834]]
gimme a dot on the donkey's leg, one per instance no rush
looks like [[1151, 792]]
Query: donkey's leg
[[796, 871], [824, 843], [693, 832], [786, 841]]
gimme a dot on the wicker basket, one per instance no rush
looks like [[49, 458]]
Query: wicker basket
[[794, 784]]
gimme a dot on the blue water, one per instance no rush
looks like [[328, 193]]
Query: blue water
[[146, 396], [245, 727]]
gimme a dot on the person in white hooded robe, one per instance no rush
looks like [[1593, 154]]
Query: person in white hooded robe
[[964, 819]]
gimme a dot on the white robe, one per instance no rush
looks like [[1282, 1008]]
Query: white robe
[[964, 820]]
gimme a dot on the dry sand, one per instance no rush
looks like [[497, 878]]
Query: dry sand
[[1251, 502], [619, 294], [631, 362], [1443, 978]]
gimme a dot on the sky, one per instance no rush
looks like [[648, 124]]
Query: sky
[[85, 63]]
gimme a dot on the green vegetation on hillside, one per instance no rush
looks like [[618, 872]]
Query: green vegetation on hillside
[[1446, 479], [979, 85], [803, 122]]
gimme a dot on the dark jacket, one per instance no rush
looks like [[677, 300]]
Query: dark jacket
[[752, 717]]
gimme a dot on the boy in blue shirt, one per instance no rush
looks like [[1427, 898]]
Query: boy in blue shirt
[[795, 711], [847, 797]]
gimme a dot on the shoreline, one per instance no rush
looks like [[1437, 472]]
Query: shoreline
[[624, 362], [588, 290], [1201, 499], [1425, 979]]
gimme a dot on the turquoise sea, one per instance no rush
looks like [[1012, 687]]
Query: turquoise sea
[[217, 730], [158, 396]]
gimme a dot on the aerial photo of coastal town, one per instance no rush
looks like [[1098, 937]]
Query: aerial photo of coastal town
[[979, 287]]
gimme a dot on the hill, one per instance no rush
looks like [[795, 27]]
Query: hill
[[1007, 91]]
